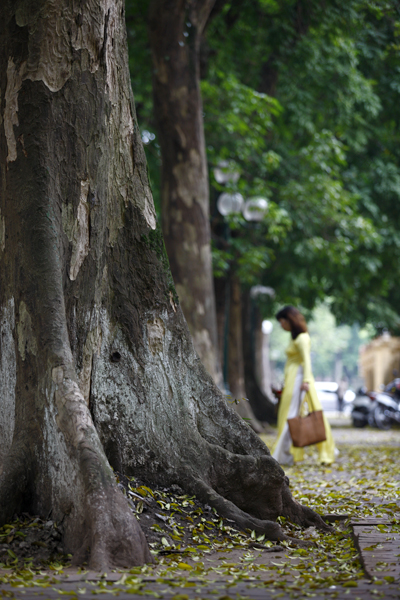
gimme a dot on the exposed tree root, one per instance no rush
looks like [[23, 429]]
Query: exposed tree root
[[114, 537], [243, 520], [301, 515]]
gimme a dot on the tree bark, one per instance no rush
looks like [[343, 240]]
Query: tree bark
[[263, 407], [97, 367], [74, 206], [236, 375], [221, 286], [175, 32]]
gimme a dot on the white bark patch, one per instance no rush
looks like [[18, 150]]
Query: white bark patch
[[205, 255], [149, 211], [80, 234], [51, 61], [14, 82], [8, 377], [92, 346], [144, 202], [181, 95], [111, 62], [57, 375], [190, 244], [2, 233], [26, 340], [200, 308], [182, 136], [50, 56], [191, 184], [155, 335]]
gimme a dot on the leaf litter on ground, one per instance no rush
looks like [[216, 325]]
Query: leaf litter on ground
[[193, 546]]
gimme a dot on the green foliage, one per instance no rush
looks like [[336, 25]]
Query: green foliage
[[335, 72], [141, 69], [238, 119], [302, 100]]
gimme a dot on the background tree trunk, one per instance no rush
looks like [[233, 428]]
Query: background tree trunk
[[236, 374], [222, 299], [96, 362], [175, 32], [263, 407]]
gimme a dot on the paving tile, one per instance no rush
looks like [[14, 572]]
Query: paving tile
[[377, 547]]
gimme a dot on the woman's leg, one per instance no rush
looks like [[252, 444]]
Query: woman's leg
[[326, 450], [283, 451]]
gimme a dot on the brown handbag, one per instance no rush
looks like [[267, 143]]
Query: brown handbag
[[308, 430]]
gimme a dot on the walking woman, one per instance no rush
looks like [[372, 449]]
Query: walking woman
[[298, 381]]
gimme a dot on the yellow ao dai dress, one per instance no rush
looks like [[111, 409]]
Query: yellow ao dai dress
[[297, 371]]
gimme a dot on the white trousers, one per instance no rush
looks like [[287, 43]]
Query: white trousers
[[282, 449]]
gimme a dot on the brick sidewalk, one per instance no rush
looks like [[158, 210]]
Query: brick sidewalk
[[234, 574], [379, 551]]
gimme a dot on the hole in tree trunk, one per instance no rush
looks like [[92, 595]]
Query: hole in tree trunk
[[115, 357], [114, 455]]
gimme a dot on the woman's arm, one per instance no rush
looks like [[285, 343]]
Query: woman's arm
[[303, 344]]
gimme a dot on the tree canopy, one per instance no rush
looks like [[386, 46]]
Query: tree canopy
[[301, 99]]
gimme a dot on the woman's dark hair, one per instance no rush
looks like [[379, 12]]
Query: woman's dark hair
[[295, 319]]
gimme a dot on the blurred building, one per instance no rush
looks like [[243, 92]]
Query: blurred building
[[379, 361]]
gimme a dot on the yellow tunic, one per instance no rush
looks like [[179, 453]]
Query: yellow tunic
[[298, 355]]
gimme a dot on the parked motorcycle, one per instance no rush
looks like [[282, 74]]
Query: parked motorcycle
[[387, 406], [362, 412]]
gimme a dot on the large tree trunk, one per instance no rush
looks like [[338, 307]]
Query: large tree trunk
[[76, 217], [175, 32], [97, 365]]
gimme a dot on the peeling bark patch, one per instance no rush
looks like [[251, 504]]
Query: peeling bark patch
[[26, 340], [80, 234], [110, 21], [2, 233], [149, 212], [8, 377], [155, 335], [172, 301], [14, 82], [68, 28], [50, 56], [190, 181], [182, 136], [92, 346], [57, 375]]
